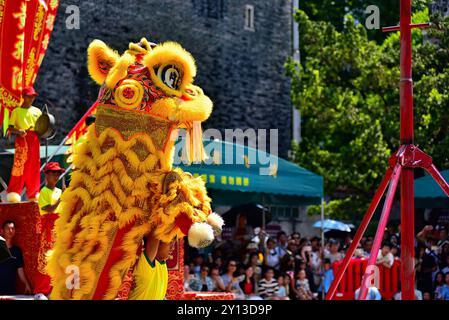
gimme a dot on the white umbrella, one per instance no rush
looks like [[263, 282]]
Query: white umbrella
[[329, 224]]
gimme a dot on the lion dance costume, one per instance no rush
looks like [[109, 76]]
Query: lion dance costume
[[124, 185]]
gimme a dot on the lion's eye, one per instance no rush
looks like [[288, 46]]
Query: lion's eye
[[170, 75]]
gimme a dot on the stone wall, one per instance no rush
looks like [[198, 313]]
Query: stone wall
[[242, 71], [441, 6]]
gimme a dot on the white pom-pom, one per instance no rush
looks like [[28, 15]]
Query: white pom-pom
[[200, 235], [13, 197], [216, 221]]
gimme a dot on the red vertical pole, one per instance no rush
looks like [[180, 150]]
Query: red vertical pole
[[407, 179]]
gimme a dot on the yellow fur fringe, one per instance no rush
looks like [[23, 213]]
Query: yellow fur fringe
[[100, 60], [107, 199]]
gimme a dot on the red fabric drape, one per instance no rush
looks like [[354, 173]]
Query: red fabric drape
[[25, 29]]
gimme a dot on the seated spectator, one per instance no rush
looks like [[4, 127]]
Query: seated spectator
[[438, 283], [302, 287], [394, 240], [198, 261], [191, 281], [315, 259], [373, 294], [289, 285], [217, 280], [347, 243], [418, 295], [443, 236], [443, 292], [283, 288], [302, 243], [248, 284], [271, 257], [427, 296], [309, 274], [218, 262], [268, 286], [231, 281], [13, 267], [287, 263], [187, 278], [333, 254], [305, 252], [296, 236], [254, 262], [282, 240], [395, 252], [251, 248], [292, 247], [425, 267], [384, 256], [207, 284], [328, 277], [367, 245], [359, 253]]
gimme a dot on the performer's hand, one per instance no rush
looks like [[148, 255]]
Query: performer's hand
[[21, 133]]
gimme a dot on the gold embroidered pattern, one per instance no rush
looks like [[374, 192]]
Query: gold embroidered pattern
[[131, 123], [20, 158]]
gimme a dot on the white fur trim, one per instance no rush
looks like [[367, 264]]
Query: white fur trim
[[13, 197], [216, 222], [200, 235]]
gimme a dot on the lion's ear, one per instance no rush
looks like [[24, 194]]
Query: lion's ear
[[100, 60]]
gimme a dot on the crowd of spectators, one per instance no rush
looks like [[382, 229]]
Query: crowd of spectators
[[291, 267]]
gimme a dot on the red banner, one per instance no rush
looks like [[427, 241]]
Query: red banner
[[25, 29]]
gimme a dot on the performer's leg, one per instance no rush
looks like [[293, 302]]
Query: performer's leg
[[16, 181], [32, 166]]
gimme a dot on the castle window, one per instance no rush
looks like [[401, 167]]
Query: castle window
[[249, 17]]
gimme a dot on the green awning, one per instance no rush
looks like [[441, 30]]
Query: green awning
[[428, 194], [244, 175], [236, 174]]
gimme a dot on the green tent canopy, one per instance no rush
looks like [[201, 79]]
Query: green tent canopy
[[236, 174], [243, 175], [428, 194]]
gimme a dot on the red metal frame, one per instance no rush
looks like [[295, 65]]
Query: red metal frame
[[401, 164]]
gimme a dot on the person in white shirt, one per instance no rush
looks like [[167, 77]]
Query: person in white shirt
[[271, 257], [385, 257], [281, 247]]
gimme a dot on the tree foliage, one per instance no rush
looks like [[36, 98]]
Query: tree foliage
[[334, 11], [347, 89]]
